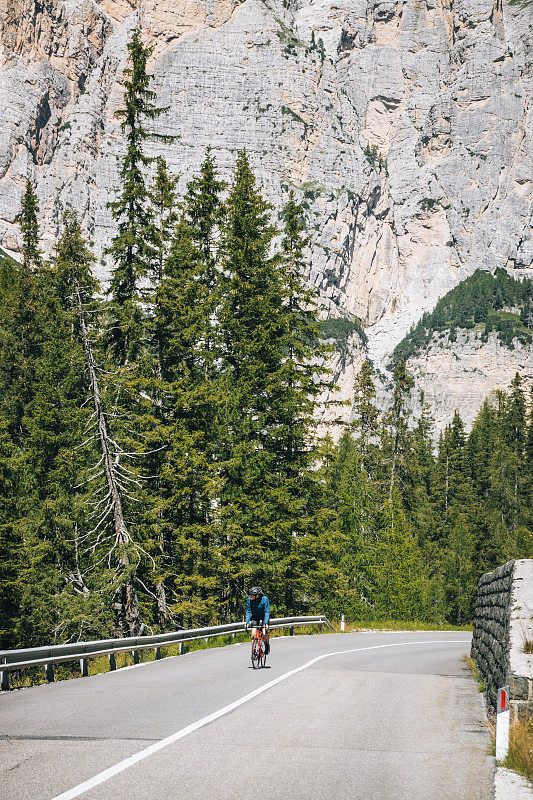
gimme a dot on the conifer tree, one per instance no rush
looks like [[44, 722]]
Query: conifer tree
[[185, 319], [10, 542], [31, 253], [457, 522], [164, 203], [249, 325], [135, 248], [365, 423], [515, 434], [398, 434], [188, 472], [401, 587], [300, 380], [268, 378]]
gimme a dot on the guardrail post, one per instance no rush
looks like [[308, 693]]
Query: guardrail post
[[291, 630], [112, 661], [4, 680], [49, 668], [84, 667], [157, 653], [135, 656]]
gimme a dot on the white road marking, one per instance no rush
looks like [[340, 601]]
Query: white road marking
[[81, 788]]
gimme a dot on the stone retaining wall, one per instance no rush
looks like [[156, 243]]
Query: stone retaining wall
[[502, 625]]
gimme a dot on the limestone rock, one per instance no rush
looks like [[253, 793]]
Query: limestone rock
[[460, 376]]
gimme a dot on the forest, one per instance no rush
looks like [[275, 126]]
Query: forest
[[158, 441], [483, 302]]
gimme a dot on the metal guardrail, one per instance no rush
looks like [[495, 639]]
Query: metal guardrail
[[81, 651]]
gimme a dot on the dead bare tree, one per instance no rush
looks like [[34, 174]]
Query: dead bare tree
[[117, 476]]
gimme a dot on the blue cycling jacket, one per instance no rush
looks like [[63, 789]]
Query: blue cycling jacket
[[258, 609]]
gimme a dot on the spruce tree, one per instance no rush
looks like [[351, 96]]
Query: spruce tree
[[397, 439], [135, 247], [296, 391], [267, 332], [365, 423], [186, 304], [10, 542], [188, 474], [164, 203], [31, 254], [249, 326]]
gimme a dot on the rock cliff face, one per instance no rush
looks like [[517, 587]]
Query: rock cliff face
[[462, 374], [405, 127]]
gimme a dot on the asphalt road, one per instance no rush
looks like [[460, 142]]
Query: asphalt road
[[395, 717]]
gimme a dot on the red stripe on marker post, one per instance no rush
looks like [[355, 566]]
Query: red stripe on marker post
[[503, 699]]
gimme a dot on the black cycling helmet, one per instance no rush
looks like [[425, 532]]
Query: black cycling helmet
[[255, 590]]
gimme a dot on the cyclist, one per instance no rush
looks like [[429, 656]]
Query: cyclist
[[258, 613]]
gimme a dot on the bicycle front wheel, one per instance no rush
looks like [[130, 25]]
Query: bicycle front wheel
[[255, 653]]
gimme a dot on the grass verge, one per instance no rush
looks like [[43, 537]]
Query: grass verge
[[520, 756], [474, 669], [405, 625]]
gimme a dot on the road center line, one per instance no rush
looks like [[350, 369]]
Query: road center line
[[81, 788]]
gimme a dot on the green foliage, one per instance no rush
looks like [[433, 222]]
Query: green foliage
[[340, 329], [374, 157], [136, 246], [31, 254], [481, 298], [415, 530], [270, 382], [429, 203]]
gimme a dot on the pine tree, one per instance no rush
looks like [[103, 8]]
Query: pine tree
[[515, 431], [10, 542], [353, 495], [401, 587], [188, 473], [398, 440], [249, 325], [300, 381]]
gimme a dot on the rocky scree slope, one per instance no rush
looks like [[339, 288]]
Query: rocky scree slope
[[405, 127]]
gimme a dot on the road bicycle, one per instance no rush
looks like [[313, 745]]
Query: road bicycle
[[258, 648]]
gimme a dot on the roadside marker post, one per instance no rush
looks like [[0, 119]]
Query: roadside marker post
[[342, 623], [502, 724]]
